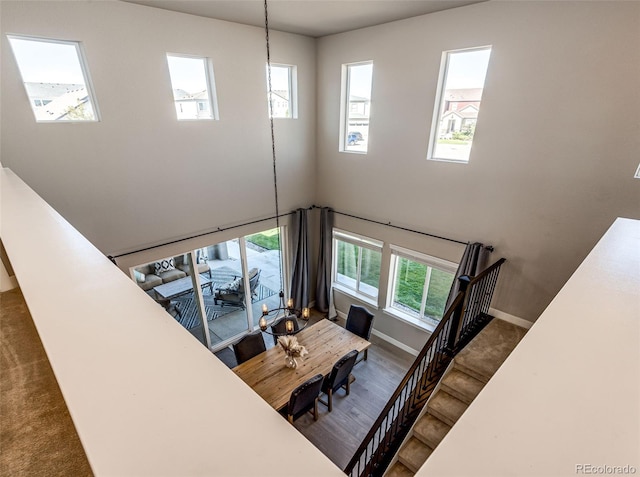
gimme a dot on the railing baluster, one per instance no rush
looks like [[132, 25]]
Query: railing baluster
[[461, 321]]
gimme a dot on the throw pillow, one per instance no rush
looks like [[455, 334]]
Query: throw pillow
[[140, 277], [234, 285], [164, 265]]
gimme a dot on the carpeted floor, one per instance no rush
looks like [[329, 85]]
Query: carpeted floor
[[37, 436]]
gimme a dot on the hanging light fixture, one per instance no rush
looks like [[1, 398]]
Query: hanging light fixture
[[291, 316]]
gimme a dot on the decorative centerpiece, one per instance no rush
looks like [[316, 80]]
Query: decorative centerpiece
[[292, 350]]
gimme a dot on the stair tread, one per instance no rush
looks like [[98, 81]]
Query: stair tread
[[487, 351], [414, 453], [446, 407], [399, 470], [431, 430], [462, 385]]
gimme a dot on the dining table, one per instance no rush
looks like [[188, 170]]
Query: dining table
[[325, 341]]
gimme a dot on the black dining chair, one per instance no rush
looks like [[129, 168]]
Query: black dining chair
[[360, 322], [304, 398], [339, 377], [249, 346], [280, 326]]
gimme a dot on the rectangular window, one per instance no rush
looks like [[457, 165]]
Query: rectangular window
[[419, 286], [193, 87], [356, 106], [283, 91], [462, 76], [356, 264], [56, 78]]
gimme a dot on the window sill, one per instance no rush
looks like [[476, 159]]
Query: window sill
[[352, 293], [410, 320]]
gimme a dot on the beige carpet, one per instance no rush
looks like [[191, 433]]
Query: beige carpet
[[37, 436]]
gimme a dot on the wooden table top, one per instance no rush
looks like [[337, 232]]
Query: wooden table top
[[326, 343]]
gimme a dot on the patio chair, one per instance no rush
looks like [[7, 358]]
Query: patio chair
[[233, 293]]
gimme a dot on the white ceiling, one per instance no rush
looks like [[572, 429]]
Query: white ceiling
[[313, 18]]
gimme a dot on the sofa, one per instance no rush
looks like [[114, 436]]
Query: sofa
[[166, 270]]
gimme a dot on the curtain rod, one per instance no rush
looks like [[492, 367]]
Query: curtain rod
[[231, 227], [219, 229], [406, 229]]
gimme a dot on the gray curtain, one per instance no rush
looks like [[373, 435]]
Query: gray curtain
[[323, 280], [474, 260], [300, 260]]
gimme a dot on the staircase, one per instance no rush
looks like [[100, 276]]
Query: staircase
[[472, 368]]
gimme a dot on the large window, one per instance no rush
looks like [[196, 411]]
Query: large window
[[283, 91], [419, 286], [193, 87], [56, 79], [460, 89], [357, 264], [356, 106]]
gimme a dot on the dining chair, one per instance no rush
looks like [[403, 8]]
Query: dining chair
[[280, 326], [360, 322], [339, 377], [249, 346], [304, 398]]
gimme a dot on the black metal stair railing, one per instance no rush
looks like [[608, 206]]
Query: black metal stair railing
[[464, 319]]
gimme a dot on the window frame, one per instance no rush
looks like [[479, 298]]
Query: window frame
[[293, 90], [361, 242], [439, 104], [210, 82], [84, 68], [430, 262], [345, 106]]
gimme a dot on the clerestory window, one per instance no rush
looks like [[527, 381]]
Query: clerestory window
[[460, 88], [56, 79], [193, 87]]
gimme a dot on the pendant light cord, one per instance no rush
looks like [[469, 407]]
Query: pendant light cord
[[273, 137]]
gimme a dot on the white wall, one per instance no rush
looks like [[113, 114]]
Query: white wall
[[139, 176], [552, 162], [555, 150]]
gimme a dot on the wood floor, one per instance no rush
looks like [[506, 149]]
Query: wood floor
[[339, 434]]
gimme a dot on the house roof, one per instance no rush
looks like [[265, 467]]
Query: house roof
[[50, 90], [467, 94], [60, 106]]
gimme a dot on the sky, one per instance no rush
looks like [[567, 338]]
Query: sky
[[187, 73], [360, 80], [467, 69], [46, 62]]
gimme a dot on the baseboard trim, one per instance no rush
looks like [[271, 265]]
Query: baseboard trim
[[515, 320], [383, 337], [395, 342]]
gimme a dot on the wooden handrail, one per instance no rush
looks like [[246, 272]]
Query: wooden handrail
[[455, 329], [457, 302]]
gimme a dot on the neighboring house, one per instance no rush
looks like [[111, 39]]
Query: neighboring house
[[359, 110], [192, 105], [459, 120], [460, 110], [59, 101], [280, 104]]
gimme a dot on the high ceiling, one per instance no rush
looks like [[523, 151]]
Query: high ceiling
[[313, 18]]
